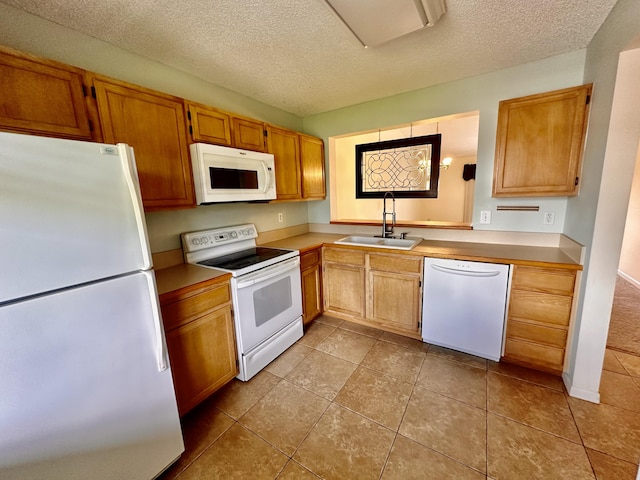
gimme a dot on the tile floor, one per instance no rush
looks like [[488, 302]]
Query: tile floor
[[351, 402]]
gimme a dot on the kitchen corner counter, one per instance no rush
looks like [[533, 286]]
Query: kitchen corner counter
[[306, 241], [498, 253], [185, 277], [480, 252]]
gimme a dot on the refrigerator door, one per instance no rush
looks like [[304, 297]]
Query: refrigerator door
[[82, 395], [70, 213]]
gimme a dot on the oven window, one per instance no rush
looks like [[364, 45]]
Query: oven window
[[271, 300], [232, 178]]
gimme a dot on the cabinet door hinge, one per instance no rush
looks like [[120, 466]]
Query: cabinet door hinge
[[190, 130], [84, 90], [419, 283], [90, 125], [577, 180], [189, 114], [93, 92], [588, 99]]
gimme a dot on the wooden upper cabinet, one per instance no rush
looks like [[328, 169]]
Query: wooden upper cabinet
[[312, 166], [208, 125], [153, 123], [42, 97], [539, 144], [284, 146], [248, 134]]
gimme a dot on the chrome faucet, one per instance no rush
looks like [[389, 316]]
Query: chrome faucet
[[387, 230]]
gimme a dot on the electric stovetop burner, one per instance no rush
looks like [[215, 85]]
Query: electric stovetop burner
[[243, 258]]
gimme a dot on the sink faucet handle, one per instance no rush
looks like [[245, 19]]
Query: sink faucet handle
[[403, 235]]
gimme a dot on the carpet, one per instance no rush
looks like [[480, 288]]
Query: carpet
[[624, 328]]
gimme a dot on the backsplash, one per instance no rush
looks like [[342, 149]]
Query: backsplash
[[164, 228]]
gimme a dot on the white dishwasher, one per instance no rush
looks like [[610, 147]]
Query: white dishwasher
[[463, 306]]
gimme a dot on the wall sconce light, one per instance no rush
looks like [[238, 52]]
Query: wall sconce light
[[445, 163]]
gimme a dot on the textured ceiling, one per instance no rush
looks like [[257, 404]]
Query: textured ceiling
[[296, 54]]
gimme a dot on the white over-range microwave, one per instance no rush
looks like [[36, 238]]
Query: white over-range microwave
[[223, 174]]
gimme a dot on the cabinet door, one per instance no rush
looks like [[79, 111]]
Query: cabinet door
[[394, 300], [203, 357], [312, 166], [42, 97], [248, 134], [311, 293], [209, 125], [286, 151], [344, 289], [539, 144], [311, 275], [154, 125]]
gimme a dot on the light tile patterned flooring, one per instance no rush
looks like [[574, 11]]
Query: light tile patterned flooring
[[351, 402]]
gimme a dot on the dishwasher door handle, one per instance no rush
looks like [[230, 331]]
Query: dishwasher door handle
[[466, 273]]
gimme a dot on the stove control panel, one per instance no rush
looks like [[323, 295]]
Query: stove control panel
[[203, 239]]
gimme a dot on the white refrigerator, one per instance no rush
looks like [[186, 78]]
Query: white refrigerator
[[85, 384]]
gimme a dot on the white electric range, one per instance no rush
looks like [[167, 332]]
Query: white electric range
[[265, 287]]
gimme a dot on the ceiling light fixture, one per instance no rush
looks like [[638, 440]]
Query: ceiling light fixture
[[374, 22]]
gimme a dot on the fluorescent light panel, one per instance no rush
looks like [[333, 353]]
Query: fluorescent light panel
[[375, 22]]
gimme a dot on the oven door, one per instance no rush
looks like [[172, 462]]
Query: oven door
[[266, 301]]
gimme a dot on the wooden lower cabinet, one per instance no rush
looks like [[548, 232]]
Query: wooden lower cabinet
[[378, 289], [344, 282], [311, 276], [539, 317], [201, 342]]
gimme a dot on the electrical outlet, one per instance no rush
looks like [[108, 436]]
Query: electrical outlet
[[280, 217], [549, 218], [485, 217]]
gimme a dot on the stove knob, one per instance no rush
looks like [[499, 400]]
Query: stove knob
[[251, 231], [234, 235]]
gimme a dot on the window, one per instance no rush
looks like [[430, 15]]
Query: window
[[454, 202]]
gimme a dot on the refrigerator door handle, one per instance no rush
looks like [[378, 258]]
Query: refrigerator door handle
[[131, 174], [160, 340]]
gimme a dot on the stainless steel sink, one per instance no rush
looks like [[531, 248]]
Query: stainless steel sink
[[406, 243]]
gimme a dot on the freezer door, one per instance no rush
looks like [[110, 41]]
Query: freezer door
[[82, 393], [70, 212]]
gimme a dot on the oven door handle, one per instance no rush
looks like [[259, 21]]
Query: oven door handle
[[268, 273]]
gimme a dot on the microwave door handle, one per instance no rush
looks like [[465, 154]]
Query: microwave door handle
[[268, 175]]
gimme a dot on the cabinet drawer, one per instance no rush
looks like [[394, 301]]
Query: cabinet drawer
[[540, 307], [537, 333], [548, 357], [309, 259], [551, 280], [340, 255], [395, 263], [188, 309]]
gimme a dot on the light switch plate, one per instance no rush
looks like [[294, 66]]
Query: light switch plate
[[485, 217]]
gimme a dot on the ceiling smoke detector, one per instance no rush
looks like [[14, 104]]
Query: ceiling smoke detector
[[374, 22]]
